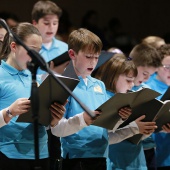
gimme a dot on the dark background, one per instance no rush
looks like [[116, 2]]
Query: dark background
[[138, 18]]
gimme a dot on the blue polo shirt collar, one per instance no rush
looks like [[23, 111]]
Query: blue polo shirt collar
[[53, 45], [13, 71]]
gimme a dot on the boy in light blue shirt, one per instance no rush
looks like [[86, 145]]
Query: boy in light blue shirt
[[160, 82], [147, 60], [91, 143], [88, 148], [45, 17]]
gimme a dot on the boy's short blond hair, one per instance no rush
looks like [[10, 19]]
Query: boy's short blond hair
[[145, 55], [43, 8], [84, 40], [154, 41]]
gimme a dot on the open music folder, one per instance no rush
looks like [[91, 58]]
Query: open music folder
[[61, 59], [49, 91], [110, 108], [166, 95], [154, 110]]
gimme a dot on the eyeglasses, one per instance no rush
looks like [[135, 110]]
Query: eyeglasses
[[166, 67]]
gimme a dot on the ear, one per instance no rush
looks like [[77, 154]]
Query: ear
[[13, 46], [71, 54], [34, 22]]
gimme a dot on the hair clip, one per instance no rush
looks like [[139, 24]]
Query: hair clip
[[129, 58]]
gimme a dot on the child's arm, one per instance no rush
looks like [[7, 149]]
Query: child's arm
[[135, 127], [2, 122], [18, 107], [123, 133], [72, 125]]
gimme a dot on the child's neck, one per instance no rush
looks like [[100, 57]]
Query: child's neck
[[48, 44], [13, 63], [85, 81], [160, 79]]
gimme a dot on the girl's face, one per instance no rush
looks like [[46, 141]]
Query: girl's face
[[2, 33], [84, 62], [164, 71], [48, 27], [144, 72], [125, 82], [19, 56]]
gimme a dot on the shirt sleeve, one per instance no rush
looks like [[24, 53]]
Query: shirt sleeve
[[69, 126], [123, 133], [2, 122], [117, 125]]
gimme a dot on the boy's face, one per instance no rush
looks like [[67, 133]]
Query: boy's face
[[144, 73], [84, 62], [164, 71], [125, 82], [47, 26]]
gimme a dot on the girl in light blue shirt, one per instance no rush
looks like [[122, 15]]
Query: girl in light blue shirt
[[17, 139], [118, 74]]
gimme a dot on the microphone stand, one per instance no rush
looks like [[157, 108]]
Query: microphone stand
[[35, 110], [38, 61]]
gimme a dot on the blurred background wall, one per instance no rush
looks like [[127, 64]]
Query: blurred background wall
[[136, 18]]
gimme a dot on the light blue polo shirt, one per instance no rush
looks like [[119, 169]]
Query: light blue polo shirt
[[17, 139], [91, 141], [142, 85], [162, 139], [157, 85]]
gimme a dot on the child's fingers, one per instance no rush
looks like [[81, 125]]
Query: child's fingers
[[56, 105], [150, 127], [140, 118]]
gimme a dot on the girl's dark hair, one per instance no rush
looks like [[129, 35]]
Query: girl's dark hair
[[23, 31]]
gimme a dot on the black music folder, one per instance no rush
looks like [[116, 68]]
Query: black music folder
[[61, 59], [49, 91], [166, 95], [154, 110], [70, 72], [103, 58], [110, 108]]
